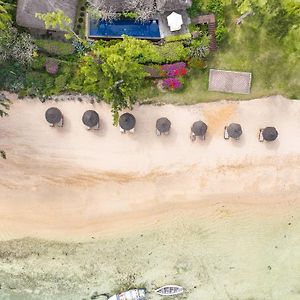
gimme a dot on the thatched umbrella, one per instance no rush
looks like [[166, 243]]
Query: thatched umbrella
[[163, 125], [234, 130], [199, 128], [53, 115], [90, 118], [270, 134], [127, 121]]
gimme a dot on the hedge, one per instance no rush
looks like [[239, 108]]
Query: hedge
[[180, 37], [55, 47]]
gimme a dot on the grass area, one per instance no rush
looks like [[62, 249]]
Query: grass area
[[248, 48]]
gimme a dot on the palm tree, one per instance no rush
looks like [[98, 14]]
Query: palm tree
[[5, 16]]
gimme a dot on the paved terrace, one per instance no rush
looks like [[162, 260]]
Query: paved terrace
[[229, 81]]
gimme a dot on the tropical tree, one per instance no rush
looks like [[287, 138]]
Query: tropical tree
[[58, 19], [5, 16], [16, 46], [115, 72]]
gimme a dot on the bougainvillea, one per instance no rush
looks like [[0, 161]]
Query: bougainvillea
[[174, 70], [172, 83]]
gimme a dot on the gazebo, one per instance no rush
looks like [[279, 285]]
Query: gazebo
[[91, 119], [234, 130], [199, 128], [175, 21], [163, 125], [54, 116], [127, 123], [269, 134]]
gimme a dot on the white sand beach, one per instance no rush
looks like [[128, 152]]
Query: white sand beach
[[225, 204]]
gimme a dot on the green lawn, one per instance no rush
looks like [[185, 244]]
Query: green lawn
[[275, 67]]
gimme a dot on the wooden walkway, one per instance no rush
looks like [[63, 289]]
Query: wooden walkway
[[211, 21]]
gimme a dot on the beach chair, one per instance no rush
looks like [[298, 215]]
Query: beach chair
[[202, 137], [51, 125], [61, 123], [122, 130], [193, 136], [226, 135], [131, 130], [158, 132], [166, 133], [260, 135]]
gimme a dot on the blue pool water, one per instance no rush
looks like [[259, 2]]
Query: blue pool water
[[147, 30]]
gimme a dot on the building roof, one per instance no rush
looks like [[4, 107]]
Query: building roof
[[124, 5], [26, 10]]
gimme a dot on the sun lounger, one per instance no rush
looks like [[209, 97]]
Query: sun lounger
[[61, 123], [51, 125], [122, 130], [192, 136], [158, 132], [260, 136], [226, 135], [202, 137], [131, 130], [166, 133]]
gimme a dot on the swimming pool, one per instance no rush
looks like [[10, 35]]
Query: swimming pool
[[116, 28]]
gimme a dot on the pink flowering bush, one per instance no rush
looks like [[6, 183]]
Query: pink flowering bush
[[172, 83], [174, 70], [174, 73]]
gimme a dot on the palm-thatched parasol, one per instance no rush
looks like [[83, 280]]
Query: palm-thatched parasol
[[199, 128], [163, 125], [90, 118], [270, 134], [234, 130], [53, 115], [127, 121]]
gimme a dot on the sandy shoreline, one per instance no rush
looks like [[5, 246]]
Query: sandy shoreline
[[220, 218], [69, 181]]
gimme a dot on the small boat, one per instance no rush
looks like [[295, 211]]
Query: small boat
[[169, 290], [136, 294]]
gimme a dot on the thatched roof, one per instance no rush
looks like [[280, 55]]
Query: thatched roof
[[127, 121], [26, 10], [53, 115], [163, 125], [199, 128], [234, 130], [90, 118], [270, 134], [172, 5], [128, 5]]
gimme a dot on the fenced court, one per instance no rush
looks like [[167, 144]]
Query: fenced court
[[229, 81]]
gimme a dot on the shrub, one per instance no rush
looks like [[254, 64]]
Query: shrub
[[180, 37], [174, 70], [39, 83], [217, 7], [55, 47], [51, 66], [39, 63], [171, 52], [172, 83], [60, 83], [12, 76], [195, 8]]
